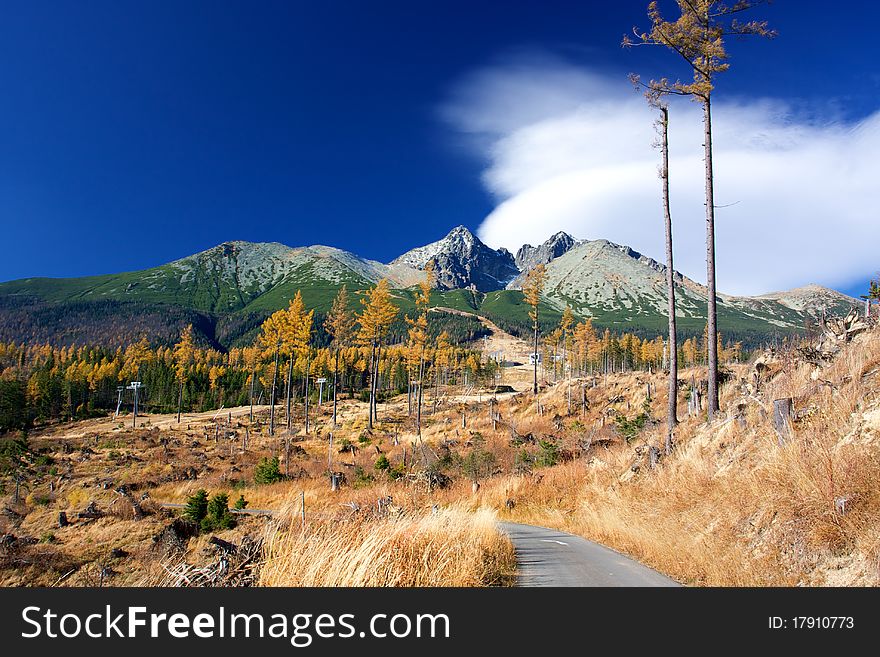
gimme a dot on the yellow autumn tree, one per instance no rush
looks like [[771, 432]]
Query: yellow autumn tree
[[375, 320], [532, 290], [183, 357], [340, 326]]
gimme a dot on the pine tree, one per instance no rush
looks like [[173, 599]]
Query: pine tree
[[698, 37], [197, 506]]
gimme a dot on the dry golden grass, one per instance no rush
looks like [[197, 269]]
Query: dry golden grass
[[450, 548], [729, 507]]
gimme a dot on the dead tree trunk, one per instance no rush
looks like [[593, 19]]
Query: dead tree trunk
[[782, 419], [712, 338], [289, 386], [672, 405], [272, 407]]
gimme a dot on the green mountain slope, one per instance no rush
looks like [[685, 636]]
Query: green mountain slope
[[228, 290]]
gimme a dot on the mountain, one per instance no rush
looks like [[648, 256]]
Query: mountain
[[463, 261], [811, 298], [618, 286], [528, 256], [226, 292]]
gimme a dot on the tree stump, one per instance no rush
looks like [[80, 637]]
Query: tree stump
[[782, 418], [62, 519]]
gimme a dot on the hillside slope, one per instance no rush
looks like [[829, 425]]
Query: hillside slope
[[226, 291]]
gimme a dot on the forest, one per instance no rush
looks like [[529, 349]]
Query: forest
[[374, 351]]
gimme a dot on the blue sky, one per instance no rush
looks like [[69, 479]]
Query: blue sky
[[134, 133]]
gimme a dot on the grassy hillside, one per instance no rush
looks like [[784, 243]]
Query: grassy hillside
[[227, 291]]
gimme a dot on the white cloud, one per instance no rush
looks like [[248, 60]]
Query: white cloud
[[569, 149]]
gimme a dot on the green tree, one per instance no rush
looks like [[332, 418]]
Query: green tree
[[197, 506], [382, 464], [218, 515], [267, 471]]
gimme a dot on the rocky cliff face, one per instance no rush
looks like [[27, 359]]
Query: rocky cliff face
[[463, 261], [528, 256]]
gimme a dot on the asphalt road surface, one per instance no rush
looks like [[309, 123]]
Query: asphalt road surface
[[548, 557]]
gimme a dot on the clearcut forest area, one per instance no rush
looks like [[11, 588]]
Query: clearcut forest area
[[512, 404]]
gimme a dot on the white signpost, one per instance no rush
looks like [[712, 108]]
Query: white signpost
[[321, 381]]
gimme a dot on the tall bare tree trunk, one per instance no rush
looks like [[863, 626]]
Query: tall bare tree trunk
[[308, 358], [179, 401], [289, 386], [535, 355], [672, 409], [376, 384], [335, 380], [370, 384], [419, 393], [272, 407], [253, 377], [712, 319]]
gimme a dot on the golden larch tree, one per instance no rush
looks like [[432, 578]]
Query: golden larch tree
[[184, 351], [375, 320], [532, 290], [697, 36]]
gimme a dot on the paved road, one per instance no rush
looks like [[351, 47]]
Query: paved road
[[548, 557]]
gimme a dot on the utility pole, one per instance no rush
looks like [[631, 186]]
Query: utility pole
[[135, 386], [119, 391]]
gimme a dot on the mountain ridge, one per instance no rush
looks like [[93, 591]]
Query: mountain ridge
[[236, 283]]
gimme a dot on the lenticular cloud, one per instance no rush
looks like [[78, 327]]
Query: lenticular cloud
[[567, 149]]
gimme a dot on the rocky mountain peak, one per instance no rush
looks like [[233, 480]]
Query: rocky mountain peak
[[528, 256], [463, 261]]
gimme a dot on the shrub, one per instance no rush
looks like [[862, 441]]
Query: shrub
[[523, 463], [218, 515], [240, 503], [39, 499], [477, 464], [397, 472], [267, 471], [549, 454], [361, 477], [197, 506], [630, 428], [382, 464]]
